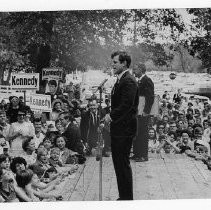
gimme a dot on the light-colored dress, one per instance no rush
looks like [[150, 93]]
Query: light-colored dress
[[26, 129], [30, 159]]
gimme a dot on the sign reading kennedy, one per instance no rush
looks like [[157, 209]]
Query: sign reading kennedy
[[39, 102], [25, 81], [52, 73]]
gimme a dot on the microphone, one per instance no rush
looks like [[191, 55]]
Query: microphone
[[102, 83]]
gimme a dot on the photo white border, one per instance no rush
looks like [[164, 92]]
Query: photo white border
[[48, 5]]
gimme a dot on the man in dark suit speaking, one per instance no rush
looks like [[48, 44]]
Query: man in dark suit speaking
[[123, 116], [146, 99]]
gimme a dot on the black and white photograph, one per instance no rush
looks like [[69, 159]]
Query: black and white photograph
[[110, 104]]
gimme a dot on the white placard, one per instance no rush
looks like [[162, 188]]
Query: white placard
[[40, 102], [25, 81], [52, 73]]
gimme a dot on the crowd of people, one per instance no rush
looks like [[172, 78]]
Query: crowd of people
[[183, 125], [38, 150]]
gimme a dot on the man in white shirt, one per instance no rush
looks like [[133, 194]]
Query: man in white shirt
[[39, 136]]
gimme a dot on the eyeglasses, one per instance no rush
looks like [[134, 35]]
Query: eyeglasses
[[161, 127]]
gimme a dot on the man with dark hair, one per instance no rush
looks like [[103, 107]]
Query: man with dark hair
[[177, 97], [71, 132], [52, 84], [124, 104], [38, 137], [146, 99]]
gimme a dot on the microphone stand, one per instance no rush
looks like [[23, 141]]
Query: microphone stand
[[100, 143]]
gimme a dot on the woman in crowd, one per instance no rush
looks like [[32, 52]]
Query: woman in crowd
[[17, 164], [8, 185], [67, 105], [152, 140], [19, 131], [57, 109], [62, 168], [29, 151], [67, 156], [59, 126], [207, 130]]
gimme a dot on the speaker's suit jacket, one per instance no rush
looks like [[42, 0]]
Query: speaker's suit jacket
[[124, 106]]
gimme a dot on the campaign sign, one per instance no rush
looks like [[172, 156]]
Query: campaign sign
[[40, 102], [52, 73], [25, 81]]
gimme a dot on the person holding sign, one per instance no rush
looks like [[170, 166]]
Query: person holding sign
[[52, 84]]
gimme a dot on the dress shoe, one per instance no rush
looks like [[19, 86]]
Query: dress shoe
[[106, 154], [124, 199], [142, 159], [133, 157]]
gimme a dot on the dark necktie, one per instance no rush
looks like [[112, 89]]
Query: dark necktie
[[115, 85]]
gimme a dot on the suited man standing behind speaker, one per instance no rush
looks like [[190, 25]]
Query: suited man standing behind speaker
[[146, 99], [123, 127]]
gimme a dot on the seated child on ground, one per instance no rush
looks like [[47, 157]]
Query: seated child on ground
[[24, 180]]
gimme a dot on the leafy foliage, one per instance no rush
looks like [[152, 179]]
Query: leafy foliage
[[31, 41], [201, 43]]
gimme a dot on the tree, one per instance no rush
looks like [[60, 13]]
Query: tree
[[200, 45], [68, 37]]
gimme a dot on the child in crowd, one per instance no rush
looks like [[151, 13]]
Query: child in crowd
[[7, 189], [152, 140], [24, 180], [41, 164], [61, 167], [47, 143]]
